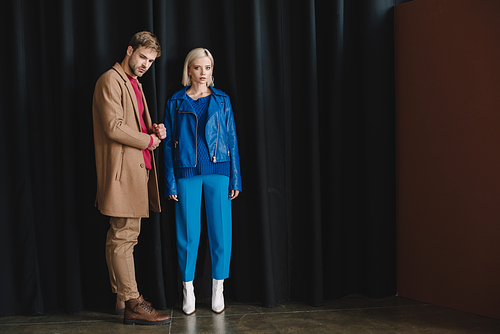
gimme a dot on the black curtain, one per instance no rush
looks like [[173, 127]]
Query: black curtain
[[311, 84]]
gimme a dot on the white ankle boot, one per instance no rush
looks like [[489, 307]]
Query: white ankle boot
[[217, 295], [189, 301]]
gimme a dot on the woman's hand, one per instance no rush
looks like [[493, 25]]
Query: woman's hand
[[173, 197], [233, 194]]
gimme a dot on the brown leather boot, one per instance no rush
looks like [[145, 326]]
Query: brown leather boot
[[139, 312], [120, 306]]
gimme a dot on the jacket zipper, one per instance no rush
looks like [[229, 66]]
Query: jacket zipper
[[216, 140]]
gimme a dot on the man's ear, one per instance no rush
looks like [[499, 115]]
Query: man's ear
[[130, 50]]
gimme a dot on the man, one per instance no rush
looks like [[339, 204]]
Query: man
[[127, 188]]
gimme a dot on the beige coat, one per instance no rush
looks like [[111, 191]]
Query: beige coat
[[123, 189]]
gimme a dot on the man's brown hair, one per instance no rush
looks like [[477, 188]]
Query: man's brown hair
[[146, 39]]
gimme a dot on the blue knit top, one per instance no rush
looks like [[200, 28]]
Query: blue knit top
[[204, 165]]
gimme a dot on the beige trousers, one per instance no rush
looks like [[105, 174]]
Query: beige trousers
[[121, 239]]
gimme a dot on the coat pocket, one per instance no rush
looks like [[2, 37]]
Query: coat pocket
[[119, 170]]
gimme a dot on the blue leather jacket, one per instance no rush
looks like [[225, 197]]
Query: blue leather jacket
[[180, 144]]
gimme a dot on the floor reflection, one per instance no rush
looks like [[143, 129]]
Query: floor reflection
[[219, 322], [191, 324]]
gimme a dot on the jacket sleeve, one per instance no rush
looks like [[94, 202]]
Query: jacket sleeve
[[108, 97], [169, 149], [235, 179]]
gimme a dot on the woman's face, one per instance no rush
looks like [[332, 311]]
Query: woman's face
[[201, 70]]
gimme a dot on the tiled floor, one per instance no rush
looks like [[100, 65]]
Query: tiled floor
[[354, 314]]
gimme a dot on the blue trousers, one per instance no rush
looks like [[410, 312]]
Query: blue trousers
[[188, 223]]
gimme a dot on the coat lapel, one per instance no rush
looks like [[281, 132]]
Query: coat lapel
[[131, 92], [147, 116], [134, 101]]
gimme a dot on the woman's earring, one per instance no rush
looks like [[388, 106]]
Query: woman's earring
[[212, 83]]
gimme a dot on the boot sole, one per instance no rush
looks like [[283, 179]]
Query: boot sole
[[145, 323], [189, 313], [219, 312]]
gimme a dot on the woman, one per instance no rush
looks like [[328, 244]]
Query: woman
[[201, 155]]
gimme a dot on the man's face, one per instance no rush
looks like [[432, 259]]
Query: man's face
[[140, 60]]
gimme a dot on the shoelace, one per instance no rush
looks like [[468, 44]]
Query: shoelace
[[147, 307]]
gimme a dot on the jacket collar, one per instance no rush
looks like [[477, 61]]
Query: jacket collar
[[182, 95]]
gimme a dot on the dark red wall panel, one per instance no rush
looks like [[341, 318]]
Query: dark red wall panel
[[447, 55]]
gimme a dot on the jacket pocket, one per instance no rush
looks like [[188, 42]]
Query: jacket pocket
[[118, 175]]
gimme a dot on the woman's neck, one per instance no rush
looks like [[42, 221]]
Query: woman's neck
[[196, 91]]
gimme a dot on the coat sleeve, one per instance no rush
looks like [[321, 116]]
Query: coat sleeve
[[235, 179], [108, 97], [169, 149]]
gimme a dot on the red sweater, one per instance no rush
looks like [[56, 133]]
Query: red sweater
[[146, 153]]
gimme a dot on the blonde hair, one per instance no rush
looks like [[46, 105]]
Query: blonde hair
[[191, 57]]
